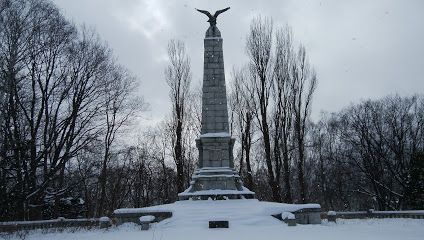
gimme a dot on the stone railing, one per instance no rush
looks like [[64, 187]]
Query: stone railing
[[122, 216], [416, 214], [59, 223]]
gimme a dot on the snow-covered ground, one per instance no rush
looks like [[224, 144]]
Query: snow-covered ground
[[248, 219], [370, 229]]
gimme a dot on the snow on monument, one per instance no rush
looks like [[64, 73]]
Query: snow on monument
[[215, 176]]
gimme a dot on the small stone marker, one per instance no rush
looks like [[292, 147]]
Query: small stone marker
[[61, 222], [218, 224], [370, 213], [104, 222], [331, 216], [289, 218], [145, 222]]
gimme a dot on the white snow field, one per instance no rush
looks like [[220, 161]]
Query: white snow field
[[248, 219]]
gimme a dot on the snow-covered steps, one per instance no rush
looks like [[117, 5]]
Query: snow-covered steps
[[217, 183]]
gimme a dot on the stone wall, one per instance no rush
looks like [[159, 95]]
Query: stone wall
[[49, 224], [417, 214]]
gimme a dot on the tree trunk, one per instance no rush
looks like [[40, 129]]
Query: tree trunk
[[179, 153], [247, 145], [275, 188]]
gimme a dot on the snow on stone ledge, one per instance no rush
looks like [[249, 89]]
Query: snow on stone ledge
[[216, 192], [212, 135], [144, 210], [214, 169], [147, 218], [331, 213], [104, 219], [232, 207], [287, 215]]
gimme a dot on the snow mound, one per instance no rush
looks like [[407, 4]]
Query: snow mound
[[287, 215], [331, 213], [147, 218], [104, 219]]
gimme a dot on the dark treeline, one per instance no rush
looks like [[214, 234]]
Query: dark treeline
[[370, 155], [66, 106]]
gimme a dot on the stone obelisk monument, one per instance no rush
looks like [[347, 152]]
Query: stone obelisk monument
[[215, 176]]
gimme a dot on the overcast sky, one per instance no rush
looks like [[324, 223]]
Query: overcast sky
[[360, 48]]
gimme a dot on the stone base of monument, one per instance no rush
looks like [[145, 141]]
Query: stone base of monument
[[216, 183], [189, 213]]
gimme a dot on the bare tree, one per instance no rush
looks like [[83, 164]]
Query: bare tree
[[178, 77], [259, 48], [283, 108], [242, 114], [120, 107], [382, 138], [303, 87], [34, 44]]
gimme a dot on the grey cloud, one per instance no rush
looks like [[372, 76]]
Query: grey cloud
[[360, 49]]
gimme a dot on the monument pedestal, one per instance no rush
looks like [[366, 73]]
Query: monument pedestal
[[216, 183], [216, 177], [215, 151]]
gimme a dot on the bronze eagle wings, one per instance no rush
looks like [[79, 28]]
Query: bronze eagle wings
[[212, 18]]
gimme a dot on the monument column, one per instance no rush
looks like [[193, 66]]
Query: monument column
[[215, 144], [215, 177], [214, 99]]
